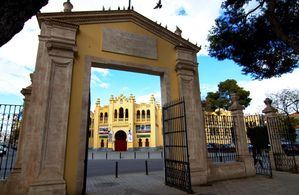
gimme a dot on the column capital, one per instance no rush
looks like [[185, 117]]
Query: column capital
[[269, 108], [186, 55]]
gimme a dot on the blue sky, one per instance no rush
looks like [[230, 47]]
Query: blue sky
[[194, 17], [114, 82]]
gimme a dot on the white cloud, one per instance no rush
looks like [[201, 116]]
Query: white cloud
[[260, 89], [96, 81], [146, 98], [104, 85], [17, 57], [104, 72], [195, 25], [13, 77], [21, 51]]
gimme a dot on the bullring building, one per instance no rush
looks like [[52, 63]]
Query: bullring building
[[126, 125]]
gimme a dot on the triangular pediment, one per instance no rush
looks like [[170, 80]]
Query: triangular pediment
[[113, 16]]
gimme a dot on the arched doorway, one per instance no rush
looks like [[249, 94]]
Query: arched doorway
[[120, 142]]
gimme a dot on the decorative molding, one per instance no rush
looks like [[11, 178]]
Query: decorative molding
[[51, 45], [269, 108], [236, 106], [60, 23], [97, 17]]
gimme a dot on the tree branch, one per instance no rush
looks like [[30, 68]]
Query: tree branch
[[276, 27], [256, 8]]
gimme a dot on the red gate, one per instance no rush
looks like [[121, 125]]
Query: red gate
[[120, 141]]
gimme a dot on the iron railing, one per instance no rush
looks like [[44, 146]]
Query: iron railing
[[10, 123], [221, 138], [258, 143], [176, 156], [282, 138]]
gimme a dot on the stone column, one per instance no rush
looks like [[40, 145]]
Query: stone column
[[187, 72], [273, 132], [15, 178], [43, 160], [240, 135]]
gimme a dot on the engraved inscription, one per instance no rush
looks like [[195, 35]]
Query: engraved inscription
[[118, 41]]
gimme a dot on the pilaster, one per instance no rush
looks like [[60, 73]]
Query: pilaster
[[188, 82], [240, 133], [43, 164]]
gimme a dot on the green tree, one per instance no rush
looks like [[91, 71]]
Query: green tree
[[261, 36], [13, 15], [221, 98]]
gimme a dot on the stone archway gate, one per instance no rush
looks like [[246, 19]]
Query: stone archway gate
[[52, 155]]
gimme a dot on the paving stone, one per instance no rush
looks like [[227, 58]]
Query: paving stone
[[138, 183]]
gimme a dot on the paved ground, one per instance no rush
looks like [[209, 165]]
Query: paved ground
[[102, 155], [138, 183], [107, 167]]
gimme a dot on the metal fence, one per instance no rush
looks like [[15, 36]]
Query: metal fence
[[282, 138], [176, 156], [258, 143], [10, 123], [221, 138]]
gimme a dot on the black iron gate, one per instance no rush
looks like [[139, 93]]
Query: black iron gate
[[10, 123], [259, 144], [282, 136], [176, 156]]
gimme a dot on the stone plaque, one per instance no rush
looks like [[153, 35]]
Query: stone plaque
[[118, 41]]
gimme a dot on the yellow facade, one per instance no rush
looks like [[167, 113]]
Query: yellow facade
[[141, 124]]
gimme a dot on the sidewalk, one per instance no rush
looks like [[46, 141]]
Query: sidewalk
[[138, 183], [101, 155]]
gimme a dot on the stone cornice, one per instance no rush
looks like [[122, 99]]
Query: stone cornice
[[68, 25], [95, 17], [62, 46]]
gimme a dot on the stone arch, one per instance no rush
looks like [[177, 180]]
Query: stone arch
[[60, 74]]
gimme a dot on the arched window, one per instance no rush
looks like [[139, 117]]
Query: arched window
[[102, 143], [106, 117], [148, 114], [140, 143], [101, 116], [127, 113], [143, 114], [115, 114], [138, 114], [146, 142], [121, 112]]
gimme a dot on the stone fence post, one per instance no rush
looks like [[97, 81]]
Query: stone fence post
[[16, 179], [240, 134], [273, 131]]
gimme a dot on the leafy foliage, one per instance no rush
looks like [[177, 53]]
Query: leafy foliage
[[263, 40], [13, 15], [221, 98]]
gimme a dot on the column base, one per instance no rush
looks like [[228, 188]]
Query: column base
[[48, 188], [199, 176], [249, 165], [16, 179]]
